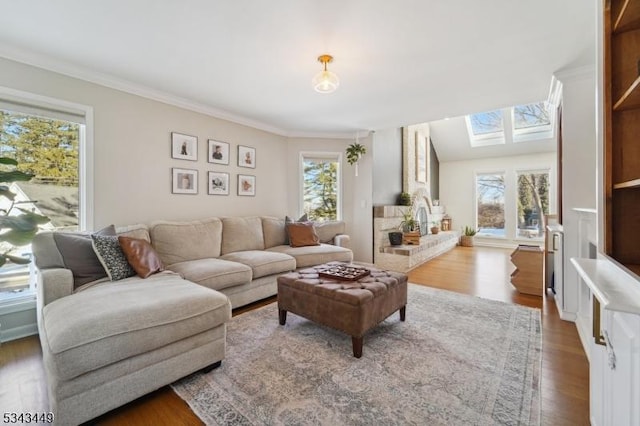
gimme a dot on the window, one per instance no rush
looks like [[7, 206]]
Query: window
[[533, 203], [48, 141], [485, 128], [531, 121], [321, 186], [490, 204]]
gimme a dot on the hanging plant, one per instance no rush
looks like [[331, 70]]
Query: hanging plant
[[354, 152]]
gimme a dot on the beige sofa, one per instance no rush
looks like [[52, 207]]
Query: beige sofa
[[109, 342]]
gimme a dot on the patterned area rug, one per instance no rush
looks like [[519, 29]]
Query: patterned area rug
[[457, 360]]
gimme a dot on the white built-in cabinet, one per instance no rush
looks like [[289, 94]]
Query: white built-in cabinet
[[609, 326]]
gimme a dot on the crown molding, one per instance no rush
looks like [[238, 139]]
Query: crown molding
[[65, 68]]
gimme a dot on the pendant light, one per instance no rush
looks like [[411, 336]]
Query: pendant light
[[325, 81]]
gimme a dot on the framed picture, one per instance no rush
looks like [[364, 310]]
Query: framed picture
[[422, 158], [246, 185], [184, 147], [218, 152], [185, 181], [246, 157], [218, 183]]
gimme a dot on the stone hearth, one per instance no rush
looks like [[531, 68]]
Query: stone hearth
[[405, 257]]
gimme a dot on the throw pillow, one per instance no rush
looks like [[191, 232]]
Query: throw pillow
[[302, 234], [288, 220], [141, 256], [78, 255], [113, 260]]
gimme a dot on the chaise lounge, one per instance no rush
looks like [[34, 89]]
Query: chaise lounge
[[106, 342]]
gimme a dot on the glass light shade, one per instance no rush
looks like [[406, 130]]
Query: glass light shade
[[325, 82]]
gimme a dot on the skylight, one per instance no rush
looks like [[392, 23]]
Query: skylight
[[531, 121], [485, 128]]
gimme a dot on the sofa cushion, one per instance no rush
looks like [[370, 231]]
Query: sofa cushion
[[288, 220], [315, 255], [213, 273], [327, 230], [241, 233], [263, 263], [78, 255], [182, 241], [108, 249], [141, 256], [140, 231], [302, 234], [127, 318], [274, 232]]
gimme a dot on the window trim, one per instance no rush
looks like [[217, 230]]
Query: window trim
[[485, 139], [319, 154], [518, 172], [475, 202], [532, 133], [85, 162]]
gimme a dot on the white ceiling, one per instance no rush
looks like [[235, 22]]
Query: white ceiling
[[400, 62]]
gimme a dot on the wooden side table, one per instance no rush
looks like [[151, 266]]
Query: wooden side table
[[529, 262]]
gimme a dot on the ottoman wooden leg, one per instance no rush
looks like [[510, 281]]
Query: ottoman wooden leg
[[356, 342], [283, 316], [403, 313]]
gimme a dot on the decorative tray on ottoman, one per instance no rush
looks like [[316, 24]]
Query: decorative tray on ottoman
[[345, 273]]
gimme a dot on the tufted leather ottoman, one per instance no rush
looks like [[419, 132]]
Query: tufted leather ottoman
[[351, 307]]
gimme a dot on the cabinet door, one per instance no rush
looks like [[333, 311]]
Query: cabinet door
[[621, 369]]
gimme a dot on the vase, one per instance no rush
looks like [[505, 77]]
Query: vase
[[395, 238], [435, 230]]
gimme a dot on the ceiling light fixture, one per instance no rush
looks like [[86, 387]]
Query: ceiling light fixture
[[325, 81]]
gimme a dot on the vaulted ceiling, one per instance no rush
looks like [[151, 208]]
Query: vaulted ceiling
[[399, 62]]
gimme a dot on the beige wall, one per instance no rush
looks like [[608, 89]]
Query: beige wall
[[457, 189], [132, 160]]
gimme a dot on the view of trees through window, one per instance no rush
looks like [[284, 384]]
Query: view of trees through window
[[490, 204], [533, 203], [531, 115], [320, 188], [47, 149]]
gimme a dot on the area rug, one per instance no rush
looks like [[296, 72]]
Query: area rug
[[457, 360]]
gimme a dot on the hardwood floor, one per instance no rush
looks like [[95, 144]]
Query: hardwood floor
[[485, 272], [476, 271]]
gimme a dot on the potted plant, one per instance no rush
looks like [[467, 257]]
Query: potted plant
[[466, 240], [434, 227], [409, 223], [395, 238], [404, 199], [354, 152]]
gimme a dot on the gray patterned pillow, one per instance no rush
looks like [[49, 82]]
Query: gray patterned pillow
[[112, 257]]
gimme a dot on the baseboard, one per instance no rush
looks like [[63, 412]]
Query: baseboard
[[18, 332]]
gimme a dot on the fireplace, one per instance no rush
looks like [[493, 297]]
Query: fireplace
[[422, 216]]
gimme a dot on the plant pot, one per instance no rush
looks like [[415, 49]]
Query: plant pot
[[395, 238], [466, 241], [435, 229]]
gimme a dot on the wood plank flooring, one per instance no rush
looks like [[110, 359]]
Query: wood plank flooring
[[476, 271]]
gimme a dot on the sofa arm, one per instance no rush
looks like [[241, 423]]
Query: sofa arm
[[342, 240], [53, 284]]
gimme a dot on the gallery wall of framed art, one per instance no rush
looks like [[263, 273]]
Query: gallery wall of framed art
[[218, 181]]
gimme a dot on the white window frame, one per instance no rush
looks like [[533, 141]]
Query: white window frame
[[57, 108], [337, 156], [518, 172], [533, 133], [475, 201], [486, 139]]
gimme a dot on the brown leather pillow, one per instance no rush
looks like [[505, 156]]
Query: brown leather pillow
[[141, 256], [302, 234]]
